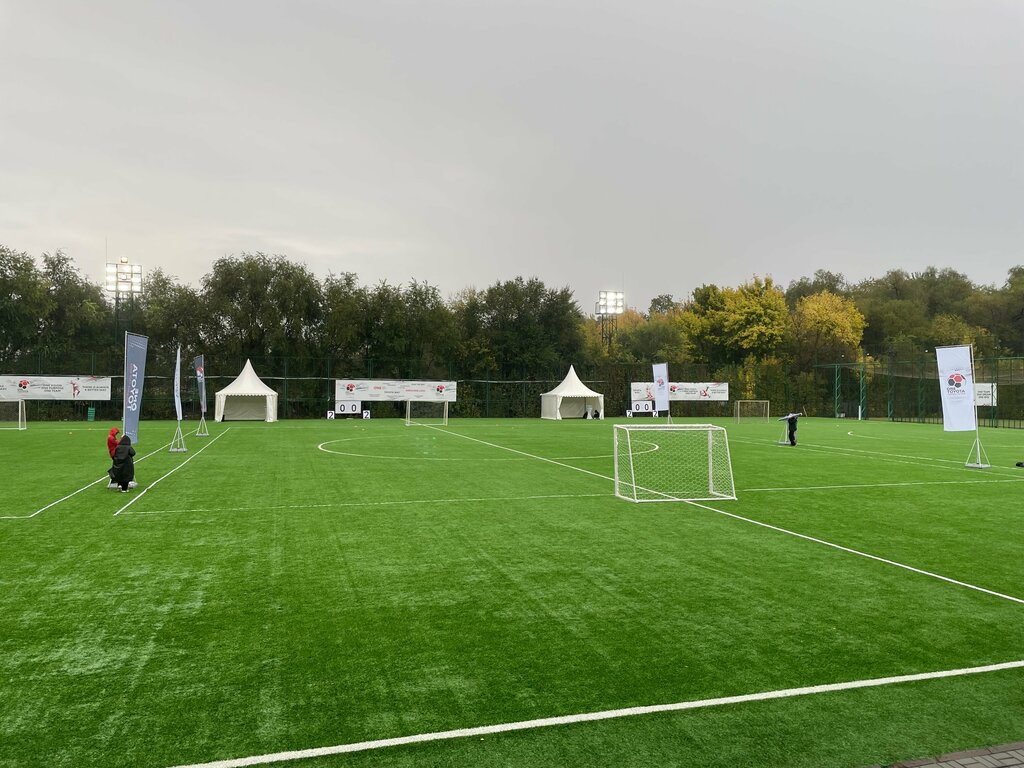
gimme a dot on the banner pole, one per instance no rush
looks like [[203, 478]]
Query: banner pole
[[124, 384]]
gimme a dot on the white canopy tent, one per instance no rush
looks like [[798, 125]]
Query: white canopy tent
[[246, 399], [572, 399]]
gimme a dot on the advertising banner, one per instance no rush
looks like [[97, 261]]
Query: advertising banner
[[377, 390], [707, 390], [200, 381], [986, 394], [135, 348], [54, 387], [661, 385], [177, 384], [956, 385]]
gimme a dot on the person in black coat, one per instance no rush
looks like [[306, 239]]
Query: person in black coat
[[791, 421], [122, 471]]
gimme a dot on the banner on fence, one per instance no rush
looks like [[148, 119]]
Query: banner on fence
[[201, 381], [135, 348], [394, 390], [54, 387], [707, 390], [956, 385], [986, 394]]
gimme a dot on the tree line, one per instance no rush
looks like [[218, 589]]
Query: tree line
[[260, 306]]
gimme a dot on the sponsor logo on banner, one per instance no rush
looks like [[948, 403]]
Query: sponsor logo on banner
[[394, 390], [956, 386], [54, 388]]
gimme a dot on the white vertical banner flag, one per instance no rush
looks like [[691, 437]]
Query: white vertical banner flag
[[660, 386], [177, 384], [956, 384]]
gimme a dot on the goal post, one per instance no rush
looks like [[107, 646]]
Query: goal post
[[12, 414], [426, 413], [672, 462], [752, 410]]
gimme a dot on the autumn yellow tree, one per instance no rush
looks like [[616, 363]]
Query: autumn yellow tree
[[825, 328]]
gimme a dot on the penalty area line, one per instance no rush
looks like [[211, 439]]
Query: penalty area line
[[859, 553], [168, 474], [587, 717]]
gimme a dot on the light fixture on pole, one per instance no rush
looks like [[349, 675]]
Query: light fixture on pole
[[124, 280], [610, 304]]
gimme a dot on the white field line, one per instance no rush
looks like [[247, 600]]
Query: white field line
[[860, 553], [395, 503], [876, 485], [104, 479], [524, 453], [589, 717], [776, 528], [168, 474], [894, 458]]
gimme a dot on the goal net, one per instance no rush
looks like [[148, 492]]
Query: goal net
[[12, 414], [426, 413], [752, 410], [672, 462]]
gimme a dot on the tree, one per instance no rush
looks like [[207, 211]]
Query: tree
[[823, 280], [261, 305], [825, 328], [662, 304], [79, 316], [24, 303], [169, 312], [755, 319]]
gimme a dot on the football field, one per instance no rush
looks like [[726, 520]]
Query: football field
[[319, 594]]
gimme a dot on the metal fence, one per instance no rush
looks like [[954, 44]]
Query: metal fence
[[896, 390]]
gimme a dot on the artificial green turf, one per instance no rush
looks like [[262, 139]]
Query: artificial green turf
[[270, 595]]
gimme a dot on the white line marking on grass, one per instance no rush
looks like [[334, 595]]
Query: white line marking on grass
[[524, 453], [395, 503], [774, 528], [876, 485], [861, 554], [186, 461], [589, 717], [105, 478]]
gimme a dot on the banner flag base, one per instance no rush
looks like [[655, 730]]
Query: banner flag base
[[979, 456], [178, 442], [201, 429]]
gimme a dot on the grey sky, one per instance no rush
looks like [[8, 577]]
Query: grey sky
[[647, 146]]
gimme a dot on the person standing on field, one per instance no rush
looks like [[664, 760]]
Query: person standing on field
[[112, 441], [123, 470]]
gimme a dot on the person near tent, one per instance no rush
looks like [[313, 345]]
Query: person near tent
[[112, 440], [122, 471]]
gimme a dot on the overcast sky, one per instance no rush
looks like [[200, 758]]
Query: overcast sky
[[650, 147]]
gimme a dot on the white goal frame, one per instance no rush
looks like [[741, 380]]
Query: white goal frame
[[740, 404], [441, 419], [20, 421], [672, 462]]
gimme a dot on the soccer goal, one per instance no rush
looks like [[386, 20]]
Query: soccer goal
[[752, 410], [418, 412], [12, 414], [672, 462]]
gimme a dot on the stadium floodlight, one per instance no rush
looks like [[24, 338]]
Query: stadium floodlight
[[123, 278], [610, 303]]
